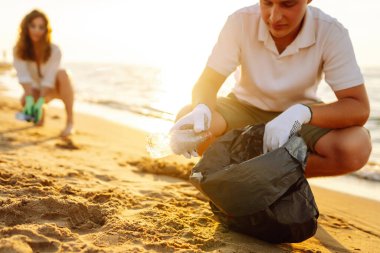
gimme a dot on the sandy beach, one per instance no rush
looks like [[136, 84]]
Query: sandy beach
[[99, 192]]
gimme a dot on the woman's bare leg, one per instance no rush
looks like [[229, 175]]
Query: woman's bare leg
[[66, 94]]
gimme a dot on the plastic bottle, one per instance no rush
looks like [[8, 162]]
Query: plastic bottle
[[164, 144], [22, 116]]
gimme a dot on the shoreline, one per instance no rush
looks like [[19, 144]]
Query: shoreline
[[350, 185], [126, 118], [366, 188], [98, 192]]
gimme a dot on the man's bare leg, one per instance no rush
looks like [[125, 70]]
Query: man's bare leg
[[340, 151]]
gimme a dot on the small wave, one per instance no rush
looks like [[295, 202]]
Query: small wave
[[373, 72], [371, 171], [143, 110]]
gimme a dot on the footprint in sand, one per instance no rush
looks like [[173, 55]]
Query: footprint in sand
[[8, 138], [334, 222], [159, 167], [55, 117], [28, 238], [67, 144], [105, 178], [64, 212]]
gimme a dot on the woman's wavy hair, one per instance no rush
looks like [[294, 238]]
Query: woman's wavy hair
[[24, 46]]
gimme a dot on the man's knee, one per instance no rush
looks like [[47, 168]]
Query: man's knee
[[352, 154]]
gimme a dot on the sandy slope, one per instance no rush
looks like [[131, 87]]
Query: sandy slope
[[97, 193]]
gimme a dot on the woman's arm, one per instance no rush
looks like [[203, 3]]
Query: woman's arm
[[23, 75], [351, 109], [52, 67]]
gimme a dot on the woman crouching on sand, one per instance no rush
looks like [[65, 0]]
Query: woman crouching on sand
[[37, 63]]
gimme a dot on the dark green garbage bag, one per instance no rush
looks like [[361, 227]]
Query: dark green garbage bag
[[266, 196]]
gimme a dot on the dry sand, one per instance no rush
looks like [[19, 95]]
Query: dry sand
[[95, 192]]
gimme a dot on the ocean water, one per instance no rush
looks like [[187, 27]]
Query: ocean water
[[144, 97]]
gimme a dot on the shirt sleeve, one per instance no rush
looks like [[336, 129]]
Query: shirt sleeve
[[225, 56], [22, 70], [339, 63], [52, 67]]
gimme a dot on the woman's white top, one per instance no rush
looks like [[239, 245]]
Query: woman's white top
[[27, 71]]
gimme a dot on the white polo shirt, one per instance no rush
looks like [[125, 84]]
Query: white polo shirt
[[273, 81], [27, 71]]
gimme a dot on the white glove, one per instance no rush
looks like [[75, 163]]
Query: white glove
[[199, 120], [284, 126], [185, 142]]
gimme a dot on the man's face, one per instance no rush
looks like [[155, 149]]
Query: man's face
[[283, 17]]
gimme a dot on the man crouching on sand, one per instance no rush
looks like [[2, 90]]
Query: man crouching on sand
[[283, 48]]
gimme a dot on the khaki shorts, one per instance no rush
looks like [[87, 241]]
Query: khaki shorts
[[239, 114]]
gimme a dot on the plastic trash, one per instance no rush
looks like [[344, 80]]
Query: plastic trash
[[24, 117], [265, 196], [164, 144]]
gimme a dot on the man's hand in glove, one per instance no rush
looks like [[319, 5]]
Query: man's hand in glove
[[285, 125]]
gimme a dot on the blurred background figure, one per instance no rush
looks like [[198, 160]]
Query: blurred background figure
[[37, 63], [4, 64]]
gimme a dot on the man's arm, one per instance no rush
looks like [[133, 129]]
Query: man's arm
[[351, 109], [201, 113], [206, 88]]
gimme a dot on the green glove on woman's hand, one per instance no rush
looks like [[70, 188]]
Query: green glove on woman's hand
[[28, 107], [38, 110]]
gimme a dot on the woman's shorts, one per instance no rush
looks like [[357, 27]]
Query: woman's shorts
[[238, 114]]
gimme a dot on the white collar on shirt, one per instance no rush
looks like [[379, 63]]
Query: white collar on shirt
[[305, 38]]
